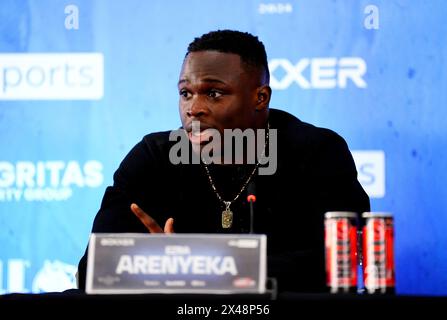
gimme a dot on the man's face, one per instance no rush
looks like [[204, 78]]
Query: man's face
[[219, 91]]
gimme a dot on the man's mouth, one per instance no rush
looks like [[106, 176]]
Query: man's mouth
[[199, 137]]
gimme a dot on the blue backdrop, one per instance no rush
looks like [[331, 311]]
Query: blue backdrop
[[82, 81]]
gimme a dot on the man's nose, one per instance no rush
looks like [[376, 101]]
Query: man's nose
[[197, 109]]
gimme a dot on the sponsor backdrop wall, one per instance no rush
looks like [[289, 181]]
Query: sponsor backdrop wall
[[82, 81]]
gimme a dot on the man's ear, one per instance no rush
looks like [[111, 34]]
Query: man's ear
[[263, 97]]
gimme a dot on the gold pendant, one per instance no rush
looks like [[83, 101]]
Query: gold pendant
[[227, 218]]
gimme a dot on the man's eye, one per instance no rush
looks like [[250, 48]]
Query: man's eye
[[184, 93], [214, 94]]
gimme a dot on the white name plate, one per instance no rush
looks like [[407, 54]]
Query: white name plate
[[124, 263]]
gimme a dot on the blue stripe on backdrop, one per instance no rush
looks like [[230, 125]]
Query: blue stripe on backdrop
[[376, 75]]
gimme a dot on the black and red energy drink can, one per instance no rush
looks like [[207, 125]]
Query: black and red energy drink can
[[341, 251], [378, 252]]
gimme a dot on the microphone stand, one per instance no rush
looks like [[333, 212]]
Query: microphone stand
[[251, 199]]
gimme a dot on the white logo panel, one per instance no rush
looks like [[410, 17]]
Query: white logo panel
[[371, 171], [47, 180], [318, 73], [51, 76]]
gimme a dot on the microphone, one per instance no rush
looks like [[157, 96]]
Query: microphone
[[251, 199]]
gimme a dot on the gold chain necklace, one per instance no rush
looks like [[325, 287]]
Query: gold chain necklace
[[227, 214]]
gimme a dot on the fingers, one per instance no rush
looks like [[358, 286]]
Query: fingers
[[169, 226], [150, 223]]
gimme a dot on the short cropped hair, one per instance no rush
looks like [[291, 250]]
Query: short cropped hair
[[247, 46]]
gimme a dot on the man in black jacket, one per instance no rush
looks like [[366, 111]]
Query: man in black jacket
[[224, 84]]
